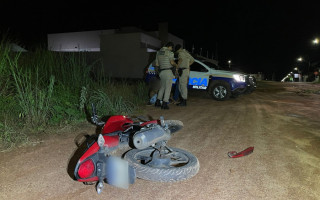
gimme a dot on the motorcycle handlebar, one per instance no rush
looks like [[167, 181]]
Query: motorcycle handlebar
[[93, 109]]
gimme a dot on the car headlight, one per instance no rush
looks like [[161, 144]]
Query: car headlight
[[239, 78]]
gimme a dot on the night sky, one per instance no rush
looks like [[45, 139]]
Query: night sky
[[258, 36]]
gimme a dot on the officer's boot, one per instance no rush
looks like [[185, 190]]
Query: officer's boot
[[157, 103], [182, 103], [164, 105]]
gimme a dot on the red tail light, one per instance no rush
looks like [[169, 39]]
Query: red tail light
[[86, 169]]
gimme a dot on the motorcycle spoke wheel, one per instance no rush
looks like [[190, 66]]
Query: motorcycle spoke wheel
[[182, 165]]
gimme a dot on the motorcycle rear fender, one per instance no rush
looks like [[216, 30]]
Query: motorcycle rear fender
[[110, 142], [93, 153], [114, 169], [94, 176]]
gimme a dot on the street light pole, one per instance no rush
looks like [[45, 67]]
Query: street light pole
[[300, 59], [229, 61]]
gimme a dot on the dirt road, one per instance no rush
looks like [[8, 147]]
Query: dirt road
[[281, 121]]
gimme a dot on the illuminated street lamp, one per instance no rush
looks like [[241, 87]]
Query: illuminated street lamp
[[300, 59], [315, 41], [229, 61]]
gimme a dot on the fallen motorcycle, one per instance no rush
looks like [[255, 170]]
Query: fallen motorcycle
[[149, 157]]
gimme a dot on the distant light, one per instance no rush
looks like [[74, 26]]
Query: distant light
[[229, 61], [300, 59], [296, 68], [315, 41]]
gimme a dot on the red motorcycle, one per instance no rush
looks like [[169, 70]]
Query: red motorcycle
[[149, 157]]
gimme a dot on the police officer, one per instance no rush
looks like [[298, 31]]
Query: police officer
[[167, 65], [184, 62]]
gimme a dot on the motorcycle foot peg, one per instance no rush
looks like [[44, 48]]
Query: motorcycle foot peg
[[99, 187]]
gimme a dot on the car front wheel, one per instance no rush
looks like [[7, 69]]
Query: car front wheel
[[220, 90]]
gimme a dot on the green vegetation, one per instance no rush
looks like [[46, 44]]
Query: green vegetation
[[42, 89]]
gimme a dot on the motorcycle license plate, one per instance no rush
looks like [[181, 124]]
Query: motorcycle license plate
[[118, 172]]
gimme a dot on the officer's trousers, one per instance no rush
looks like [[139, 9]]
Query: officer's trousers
[[166, 77], [183, 83]]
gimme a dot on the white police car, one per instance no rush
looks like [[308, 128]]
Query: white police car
[[220, 84]]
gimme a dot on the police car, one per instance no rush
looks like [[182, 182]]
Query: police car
[[221, 84]]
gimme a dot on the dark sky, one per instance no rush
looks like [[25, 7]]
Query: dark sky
[[259, 35]]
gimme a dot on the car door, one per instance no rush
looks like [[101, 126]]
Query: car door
[[199, 76]]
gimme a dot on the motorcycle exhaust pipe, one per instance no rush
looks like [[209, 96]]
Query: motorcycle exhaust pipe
[[147, 137]]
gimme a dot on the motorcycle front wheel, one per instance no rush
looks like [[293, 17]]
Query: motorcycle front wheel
[[182, 165]]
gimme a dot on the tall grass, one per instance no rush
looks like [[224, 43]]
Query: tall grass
[[35, 76], [141, 92], [4, 70], [111, 105], [117, 98], [44, 88], [71, 69], [33, 98]]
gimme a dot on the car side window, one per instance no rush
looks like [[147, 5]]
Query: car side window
[[211, 65], [197, 67]]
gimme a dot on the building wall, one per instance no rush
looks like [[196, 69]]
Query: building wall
[[150, 41], [124, 55], [76, 41]]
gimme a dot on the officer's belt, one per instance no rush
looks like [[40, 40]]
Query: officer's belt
[[166, 69]]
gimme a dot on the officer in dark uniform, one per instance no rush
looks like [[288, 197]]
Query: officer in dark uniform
[[167, 65]]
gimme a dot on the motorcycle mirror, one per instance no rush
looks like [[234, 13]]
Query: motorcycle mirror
[[100, 141]]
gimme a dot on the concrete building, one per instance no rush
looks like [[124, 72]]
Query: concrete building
[[125, 52]]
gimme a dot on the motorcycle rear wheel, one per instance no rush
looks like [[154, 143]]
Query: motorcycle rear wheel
[[174, 173]]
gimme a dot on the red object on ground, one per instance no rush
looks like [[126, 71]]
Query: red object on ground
[[234, 154]]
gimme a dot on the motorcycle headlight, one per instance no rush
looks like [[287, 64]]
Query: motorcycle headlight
[[239, 78]]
